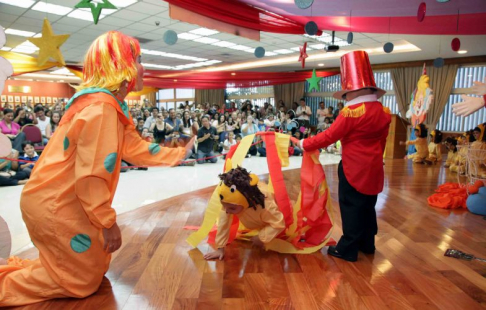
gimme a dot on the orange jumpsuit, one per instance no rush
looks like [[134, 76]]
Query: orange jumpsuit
[[67, 202]]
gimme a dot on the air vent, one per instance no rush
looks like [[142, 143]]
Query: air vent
[[143, 40]]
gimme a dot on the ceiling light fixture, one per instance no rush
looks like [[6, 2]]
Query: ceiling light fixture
[[21, 33], [51, 8], [462, 52], [283, 51], [204, 32], [23, 4], [320, 65]]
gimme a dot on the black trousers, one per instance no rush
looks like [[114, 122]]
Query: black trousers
[[358, 216]]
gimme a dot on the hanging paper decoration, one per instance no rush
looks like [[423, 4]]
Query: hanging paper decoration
[[170, 37], [259, 52], [439, 62], [421, 12], [314, 82], [303, 54], [350, 38], [388, 47], [96, 6], [456, 44], [303, 4], [49, 44], [311, 28], [422, 99]]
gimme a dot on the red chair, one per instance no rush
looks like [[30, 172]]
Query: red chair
[[33, 134]]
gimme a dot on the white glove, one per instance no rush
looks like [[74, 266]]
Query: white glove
[[468, 106], [479, 88]]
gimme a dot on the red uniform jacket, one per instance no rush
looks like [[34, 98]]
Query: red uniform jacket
[[362, 129]]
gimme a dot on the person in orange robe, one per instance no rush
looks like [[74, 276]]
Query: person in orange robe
[[66, 205]]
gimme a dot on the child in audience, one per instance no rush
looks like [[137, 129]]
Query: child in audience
[[420, 145], [228, 143], [459, 166], [451, 145], [435, 149], [8, 175], [29, 155], [477, 152]]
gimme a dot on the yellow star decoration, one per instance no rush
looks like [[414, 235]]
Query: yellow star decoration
[[49, 44]]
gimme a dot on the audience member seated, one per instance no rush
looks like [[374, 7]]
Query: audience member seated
[[250, 128], [176, 125], [23, 117], [228, 143], [139, 126], [206, 136], [12, 130], [54, 123], [42, 121], [8, 175], [146, 135], [160, 129], [29, 155], [220, 125], [152, 118]]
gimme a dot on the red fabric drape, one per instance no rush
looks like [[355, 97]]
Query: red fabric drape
[[242, 14]]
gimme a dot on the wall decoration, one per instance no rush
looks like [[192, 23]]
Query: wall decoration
[[17, 99], [314, 82], [388, 47], [24, 99], [311, 28], [48, 99], [36, 99], [3, 98], [10, 99], [350, 38], [96, 6], [303, 4], [456, 44], [259, 52], [42, 100], [439, 62], [49, 44], [421, 12], [303, 54], [170, 37]]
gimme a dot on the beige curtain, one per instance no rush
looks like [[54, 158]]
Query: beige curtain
[[289, 93], [404, 83], [441, 81], [151, 98], [213, 96]]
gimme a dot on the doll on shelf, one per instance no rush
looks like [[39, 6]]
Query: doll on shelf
[[435, 148], [420, 145], [240, 196]]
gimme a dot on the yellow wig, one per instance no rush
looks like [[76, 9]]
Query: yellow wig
[[111, 60]]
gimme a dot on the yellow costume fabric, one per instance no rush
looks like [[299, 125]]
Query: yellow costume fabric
[[459, 165], [477, 156], [451, 158], [269, 222], [422, 150], [67, 202], [435, 152]]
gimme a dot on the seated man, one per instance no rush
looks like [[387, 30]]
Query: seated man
[[206, 135], [8, 175]]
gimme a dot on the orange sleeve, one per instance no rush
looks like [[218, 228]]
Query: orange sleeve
[[96, 155], [139, 152], [224, 226], [274, 221]]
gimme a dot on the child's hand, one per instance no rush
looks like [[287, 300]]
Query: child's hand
[[257, 242], [218, 254]]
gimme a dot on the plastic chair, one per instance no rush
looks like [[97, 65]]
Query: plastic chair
[[33, 134]]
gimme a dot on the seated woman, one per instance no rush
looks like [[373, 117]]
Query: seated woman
[[240, 195], [12, 130], [435, 148], [160, 129], [53, 124], [420, 144], [23, 117]]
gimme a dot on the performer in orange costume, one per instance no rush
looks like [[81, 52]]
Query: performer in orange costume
[[66, 205]]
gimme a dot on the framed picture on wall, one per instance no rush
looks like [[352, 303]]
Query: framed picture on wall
[[54, 100], [130, 102], [10, 99], [17, 99], [24, 99], [3, 99], [43, 100], [36, 99], [49, 99], [30, 99]]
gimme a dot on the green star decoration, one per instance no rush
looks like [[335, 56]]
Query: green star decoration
[[96, 6], [314, 82]]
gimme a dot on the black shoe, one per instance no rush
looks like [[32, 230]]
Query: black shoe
[[368, 251], [333, 252]]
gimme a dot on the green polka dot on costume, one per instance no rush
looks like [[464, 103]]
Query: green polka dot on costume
[[110, 162], [154, 148], [80, 243], [66, 143]]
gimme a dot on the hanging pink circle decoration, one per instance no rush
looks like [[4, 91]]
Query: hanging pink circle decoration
[[456, 44], [421, 12]]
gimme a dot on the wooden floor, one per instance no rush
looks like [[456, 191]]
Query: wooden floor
[[156, 269]]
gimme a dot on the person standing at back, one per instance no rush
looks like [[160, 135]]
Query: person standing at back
[[362, 128]]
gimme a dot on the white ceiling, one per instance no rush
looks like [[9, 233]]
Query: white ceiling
[[139, 20]]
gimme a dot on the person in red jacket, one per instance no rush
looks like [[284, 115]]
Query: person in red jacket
[[362, 127]]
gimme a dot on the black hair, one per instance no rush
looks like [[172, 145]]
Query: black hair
[[6, 111], [154, 108], [423, 131], [438, 137], [38, 109], [302, 99], [27, 142]]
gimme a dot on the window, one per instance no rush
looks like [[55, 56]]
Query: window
[[173, 97], [257, 95], [464, 79]]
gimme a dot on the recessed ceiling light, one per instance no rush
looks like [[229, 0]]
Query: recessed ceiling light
[[224, 44], [206, 40], [21, 33], [188, 36], [320, 65], [283, 51], [122, 3], [204, 31], [270, 54], [462, 52], [63, 71], [318, 46], [22, 4], [239, 47], [51, 8]]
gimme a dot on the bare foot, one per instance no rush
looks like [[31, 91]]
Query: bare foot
[[3, 261]]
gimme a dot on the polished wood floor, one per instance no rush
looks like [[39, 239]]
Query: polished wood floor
[[156, 269]]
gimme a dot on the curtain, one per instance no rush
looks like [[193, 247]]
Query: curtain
[[289, 93], [404, 83], [441, 81], [213, 96]]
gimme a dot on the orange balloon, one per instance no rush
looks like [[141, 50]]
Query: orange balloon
[[479, 183], [472, 189]]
